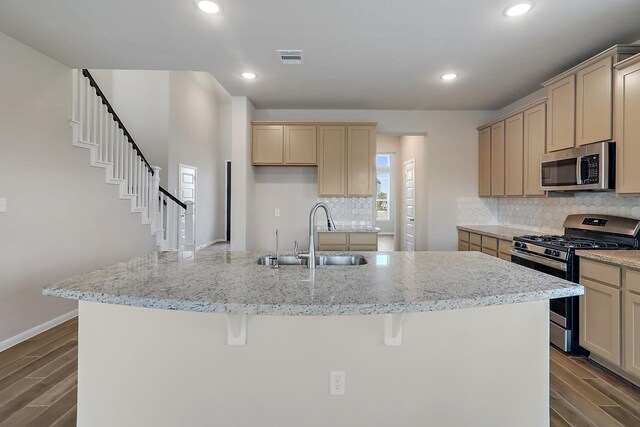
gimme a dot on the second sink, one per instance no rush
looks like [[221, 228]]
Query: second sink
[[346, 259]]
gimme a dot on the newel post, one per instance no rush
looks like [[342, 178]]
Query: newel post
[[154, 204], [189, 227]]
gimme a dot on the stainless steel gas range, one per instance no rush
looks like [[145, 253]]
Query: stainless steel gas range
[[555, 255]]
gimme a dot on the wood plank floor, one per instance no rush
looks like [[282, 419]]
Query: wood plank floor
[[38, 386]]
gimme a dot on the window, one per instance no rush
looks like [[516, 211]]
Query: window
[[383, 192]]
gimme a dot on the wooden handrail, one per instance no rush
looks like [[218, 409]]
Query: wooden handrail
[[174, 198], [99, 92]]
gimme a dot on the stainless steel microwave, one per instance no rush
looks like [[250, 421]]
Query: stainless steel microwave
[[586, 168]]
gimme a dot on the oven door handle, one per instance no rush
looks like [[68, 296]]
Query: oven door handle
[[540, 260]]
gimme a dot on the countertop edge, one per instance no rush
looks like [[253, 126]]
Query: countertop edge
[[314, 310], [612, 257]]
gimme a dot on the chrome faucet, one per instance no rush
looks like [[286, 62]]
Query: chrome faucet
[[311, 255], [276, 262]]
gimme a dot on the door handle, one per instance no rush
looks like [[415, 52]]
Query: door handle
[[411, 219]]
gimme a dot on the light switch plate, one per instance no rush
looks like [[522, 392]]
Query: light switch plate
[[277, 212], [3, 204]]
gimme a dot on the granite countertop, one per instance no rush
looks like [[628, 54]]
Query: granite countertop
[[348, 229], [391, 282], [624, 258], [497, 231]]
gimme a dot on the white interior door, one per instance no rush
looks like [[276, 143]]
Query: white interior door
[[408, 220], [187, 192]]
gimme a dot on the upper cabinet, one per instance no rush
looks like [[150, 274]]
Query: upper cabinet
[[484, 162], [627, 126], [580, 109], [284, 145], [513, 155], [509, 153], [346, 160], [534, 141], [497, 159], [561, 114]]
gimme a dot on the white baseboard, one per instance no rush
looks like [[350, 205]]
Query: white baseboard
[[10, 342], [210, 243]]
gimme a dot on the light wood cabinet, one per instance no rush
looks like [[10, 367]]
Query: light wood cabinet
[[361, 153], [504, 249], [463, 240], [513, 157], [594, 102], [627, 126], [346, 160], [561, 109], [484, 162], [267, 145], [332, 149], [534, 141], [600, 322], [497, 159], [293, 145], [300, 145], [489, 245], [632, 333], [337, 241]]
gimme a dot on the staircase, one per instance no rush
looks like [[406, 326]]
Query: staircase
[[97, 127]]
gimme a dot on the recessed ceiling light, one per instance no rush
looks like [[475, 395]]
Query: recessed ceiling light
[[449, 76], [518, 9], [249, 76], [208, 6]]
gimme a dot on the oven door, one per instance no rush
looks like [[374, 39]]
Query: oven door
[[562, 311]]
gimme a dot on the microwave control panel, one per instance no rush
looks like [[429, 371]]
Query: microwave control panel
[[590, 169]]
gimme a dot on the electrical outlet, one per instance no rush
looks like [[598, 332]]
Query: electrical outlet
[[3, 204], [336, 383], [277, 213]]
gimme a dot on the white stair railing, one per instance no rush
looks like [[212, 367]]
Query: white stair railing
[[98, 128]]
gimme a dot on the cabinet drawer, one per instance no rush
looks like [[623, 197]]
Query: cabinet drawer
[[358, 248], [632, 280], [473, 247], [336, 248], [475, 239], [605, 273], [489, 252], [363, 239], [332, 239], [490, 243], [463, 246], [463, 236], [504, 256], [504, 246]]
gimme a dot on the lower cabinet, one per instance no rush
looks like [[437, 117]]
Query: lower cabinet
[[468, 241], [610, 316], [337, 241]]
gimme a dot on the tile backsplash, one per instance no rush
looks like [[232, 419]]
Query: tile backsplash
[[544, 213], [350, 210]]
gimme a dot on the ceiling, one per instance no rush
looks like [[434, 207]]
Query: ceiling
[[358, 54]]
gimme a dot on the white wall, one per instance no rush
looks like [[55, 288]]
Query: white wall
[[62, 218], [451, 157], [194, 112], [242, 179]]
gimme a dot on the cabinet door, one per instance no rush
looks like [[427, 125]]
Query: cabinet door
[[594, 102], [361, 153], [484, 166], [535, 138], [497, 159], [513, 155], [600, 320], [561, 114], [628, 129], [463, 246], [632, 333], [300, 145], [267, 145], [332, 151]]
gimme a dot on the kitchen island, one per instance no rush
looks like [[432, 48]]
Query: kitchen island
[[205, 338]]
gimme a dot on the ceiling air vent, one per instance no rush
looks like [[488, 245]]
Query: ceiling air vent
[[290, 57]]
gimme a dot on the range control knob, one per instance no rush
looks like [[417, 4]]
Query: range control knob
[[548, 252], [556, 253]]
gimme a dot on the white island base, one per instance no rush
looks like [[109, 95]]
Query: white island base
[[484, 366]]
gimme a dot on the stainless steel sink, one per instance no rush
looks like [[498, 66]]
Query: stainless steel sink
[[346, 259]]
